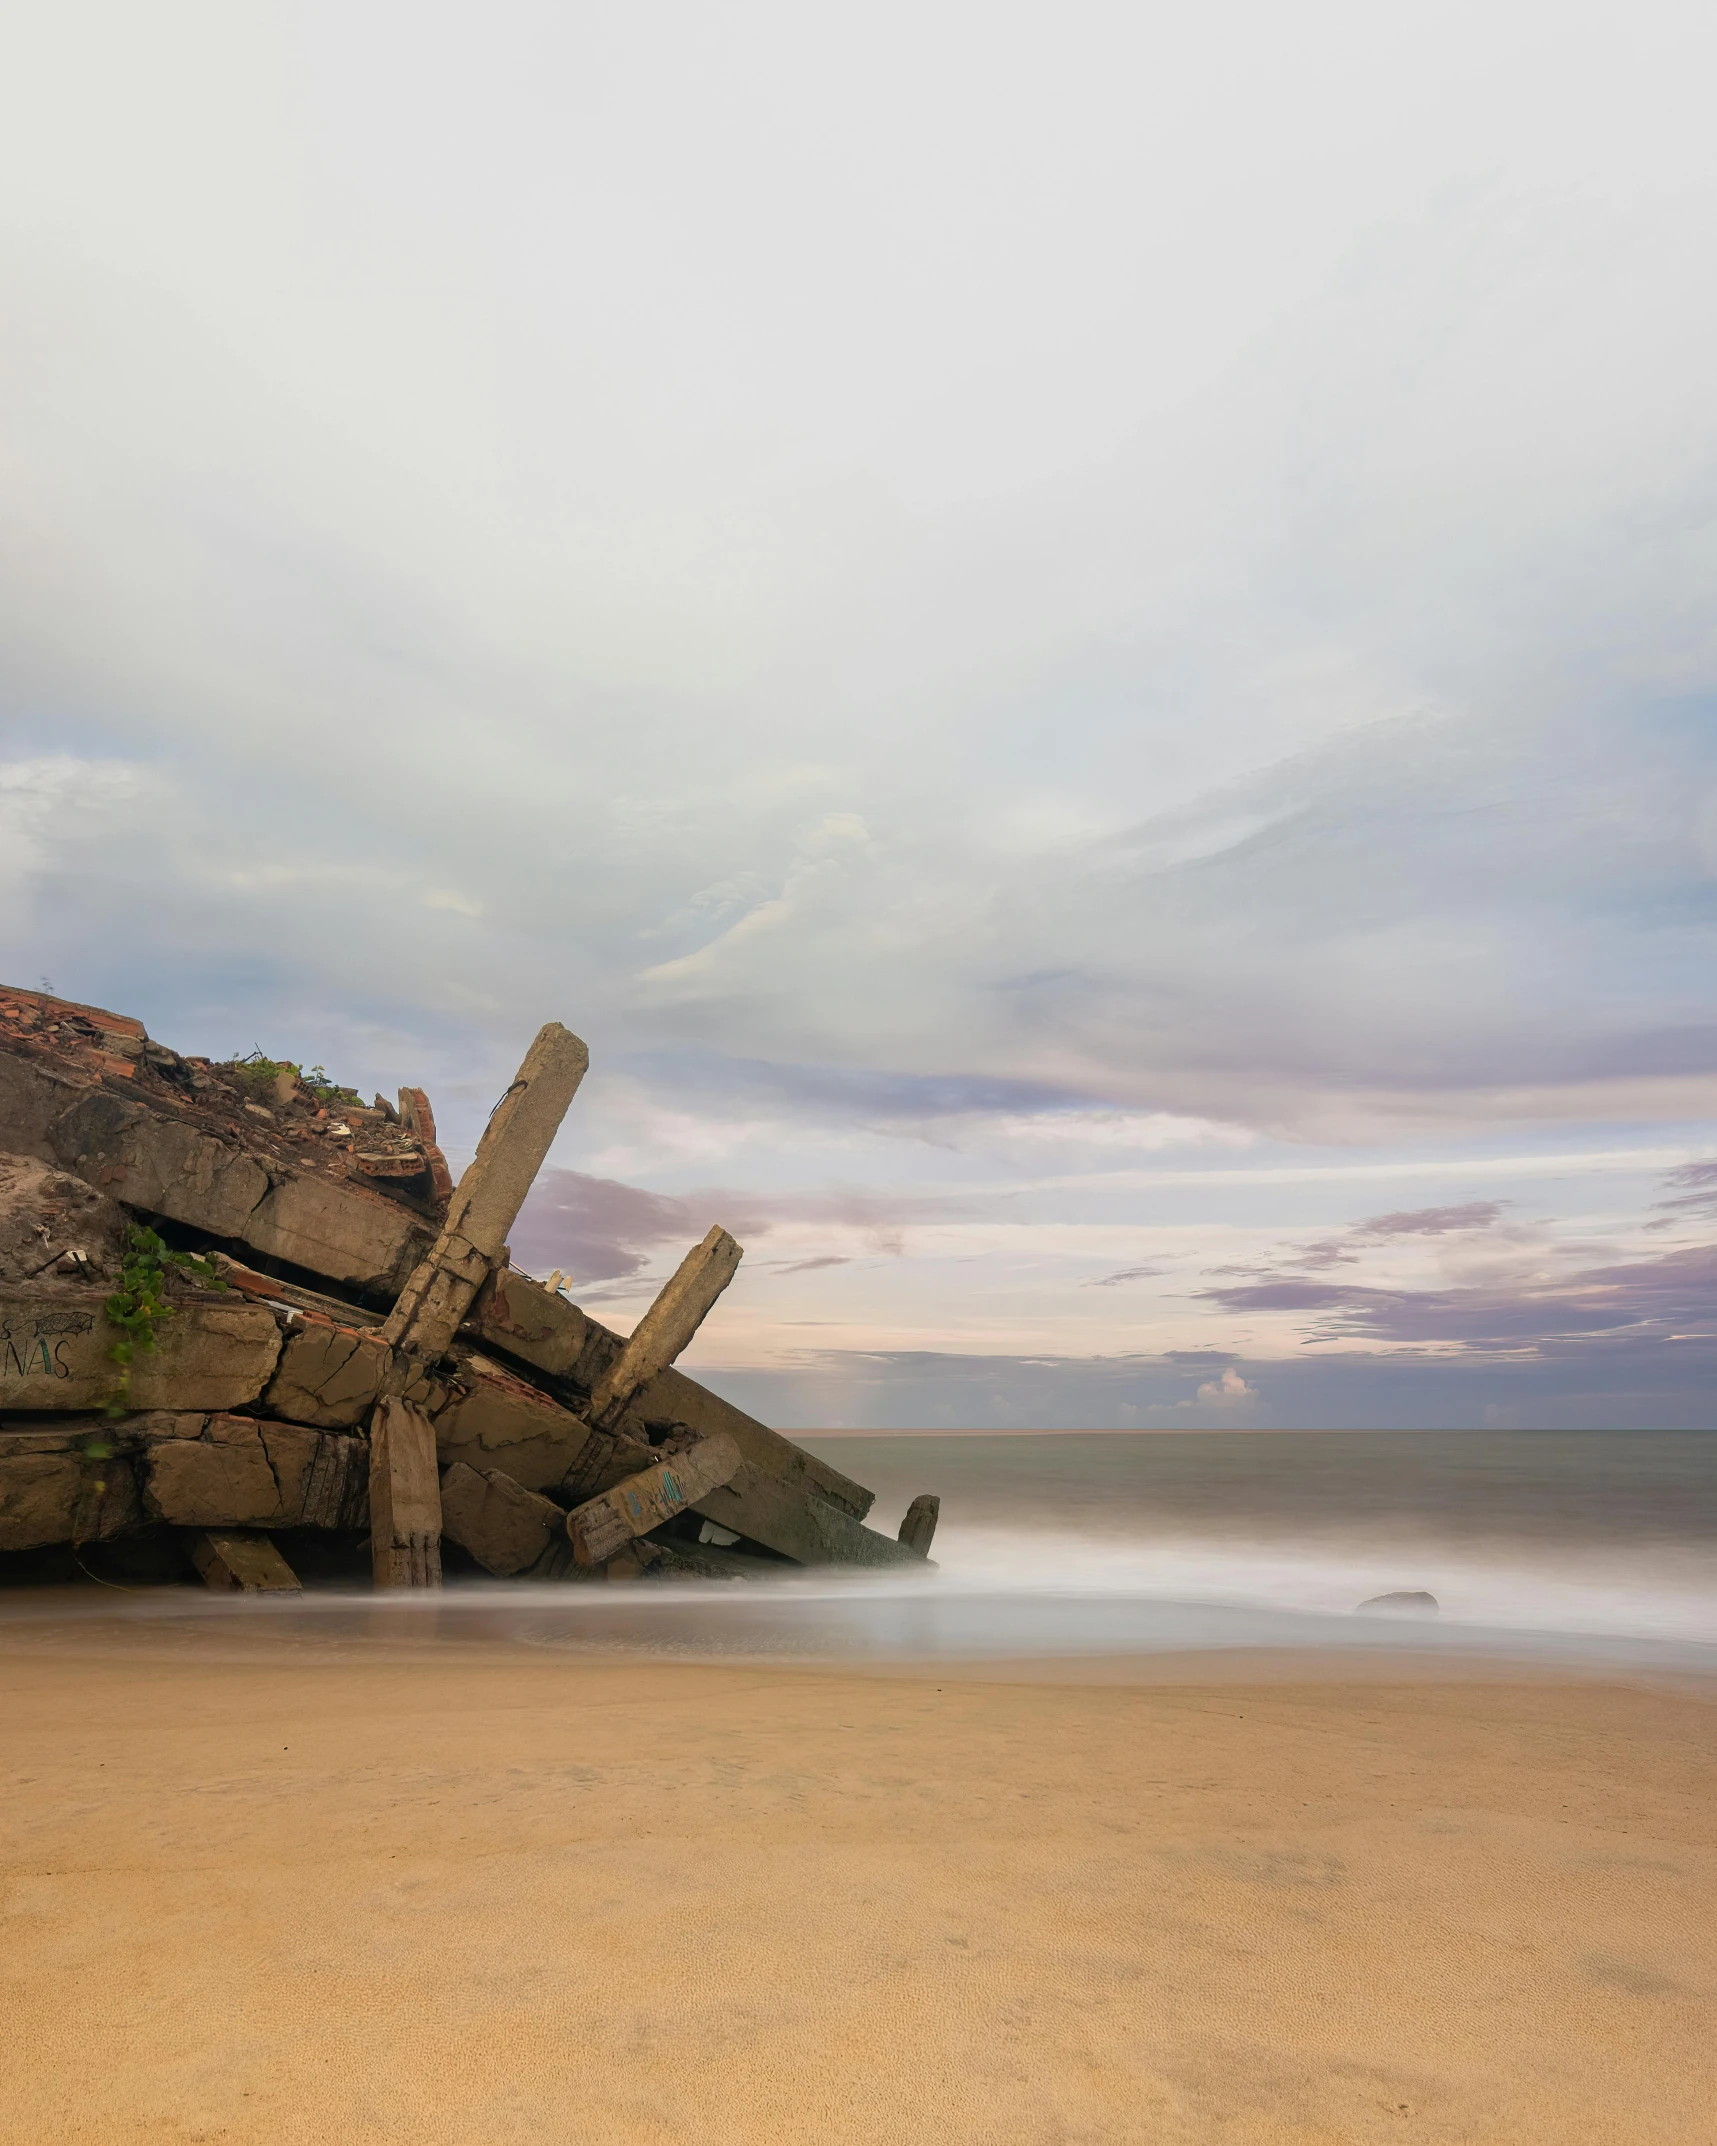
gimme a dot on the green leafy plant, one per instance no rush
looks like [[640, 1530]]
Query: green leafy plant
[[258, 1075], [139, 1305]]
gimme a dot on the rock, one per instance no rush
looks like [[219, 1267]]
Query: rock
[[1411, 1603], [918, 1529], [242, 1564], [509, 1530], [56, 1343]]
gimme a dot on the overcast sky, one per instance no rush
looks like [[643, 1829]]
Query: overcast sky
[[1079, 640]]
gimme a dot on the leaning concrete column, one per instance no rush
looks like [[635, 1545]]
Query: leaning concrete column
[[668, 1325], [405, 1498], [485, 1204]]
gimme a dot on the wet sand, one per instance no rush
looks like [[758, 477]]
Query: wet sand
[[259, 1889]]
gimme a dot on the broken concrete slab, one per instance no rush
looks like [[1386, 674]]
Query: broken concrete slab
[[64, 1495], [52, 1222], [236, 1471], [672, 1397], [669, 1324], [405, 1497], [599, 1527], [323, 1479], [56, 1343], [798, 1525], [918, 1528], [435, 1299], [510, 1531], [338, 1229], [328, 1375], [494, 1419], [222, 1479], [233, 1562], [519, 1316], [163, 1167]]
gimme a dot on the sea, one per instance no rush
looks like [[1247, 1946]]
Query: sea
[[1575, 1547]]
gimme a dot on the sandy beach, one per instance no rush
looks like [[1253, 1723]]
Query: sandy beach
[[259, 1889]]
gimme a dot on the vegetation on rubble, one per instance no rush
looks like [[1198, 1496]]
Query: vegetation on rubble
[[258, 1075], [138, 1306]]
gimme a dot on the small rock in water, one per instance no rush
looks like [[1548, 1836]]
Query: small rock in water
[[1411, 1603]]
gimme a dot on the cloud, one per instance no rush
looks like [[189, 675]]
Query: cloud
[[1432, 1221], [1649, 1301], [595, 1230], [1228, 1391], [1127, 1274]]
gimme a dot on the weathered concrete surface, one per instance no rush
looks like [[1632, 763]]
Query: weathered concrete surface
[[435, 1299], [340, 1230], [219, 1479], [599, 1527], [668, 1325], [242, 1564], [509, 1530], [66, 1488], [328, 1375], [918, 1528], [672, 1397], [494, 1419], [55, 1342], [151, 1162], [518, 1315], [405, 1497], [796, 1524], [54, 1222]]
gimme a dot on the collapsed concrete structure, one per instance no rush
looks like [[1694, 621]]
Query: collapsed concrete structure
[[243, 1313]]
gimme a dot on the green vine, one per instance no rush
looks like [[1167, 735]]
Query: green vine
[[138, 1306]]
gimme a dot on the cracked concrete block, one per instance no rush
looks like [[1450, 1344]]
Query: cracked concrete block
[[328, 1375], [491, 1419], [236, 1563], [166, 1168], [344, 1231], [220, 1480], [56, 1343], [322, 1478], [509, 1530], [540, 1327]]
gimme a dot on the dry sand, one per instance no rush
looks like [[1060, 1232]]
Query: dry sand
[[470, 1895]]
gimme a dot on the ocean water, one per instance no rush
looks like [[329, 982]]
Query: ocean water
[[1555, 1547], [1609, 1534]]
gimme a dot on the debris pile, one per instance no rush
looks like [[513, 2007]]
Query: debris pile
[[249, 1323]]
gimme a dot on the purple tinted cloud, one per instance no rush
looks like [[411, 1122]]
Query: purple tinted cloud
[[1127, 1274], [1432, 1221], [1652, 1300]]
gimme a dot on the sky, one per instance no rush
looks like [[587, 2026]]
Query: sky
[[1078, 640]]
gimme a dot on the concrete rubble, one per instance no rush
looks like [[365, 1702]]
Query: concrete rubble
[[250, 1326]]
